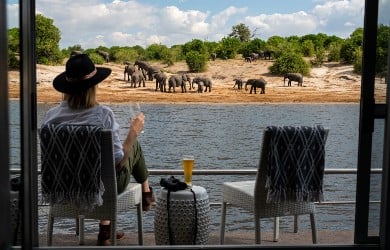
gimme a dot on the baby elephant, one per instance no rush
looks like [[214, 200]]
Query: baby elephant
[[295, 77], [202, 81], [238, 82], [256, 83]]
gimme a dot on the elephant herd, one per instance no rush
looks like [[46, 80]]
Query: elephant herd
[[141, 71]]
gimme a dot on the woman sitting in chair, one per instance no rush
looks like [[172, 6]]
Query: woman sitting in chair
[[79, 106]]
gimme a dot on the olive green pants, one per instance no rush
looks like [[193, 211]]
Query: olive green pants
[[135, 166]]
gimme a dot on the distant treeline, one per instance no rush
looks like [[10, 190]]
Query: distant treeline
[[290, 54]]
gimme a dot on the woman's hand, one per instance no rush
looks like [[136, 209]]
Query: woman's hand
[[137, 124]]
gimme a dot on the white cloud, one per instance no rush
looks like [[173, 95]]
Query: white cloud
[[298, 23], [96, 23], [337, 17]]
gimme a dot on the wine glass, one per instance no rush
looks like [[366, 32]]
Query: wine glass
[[135, 109]]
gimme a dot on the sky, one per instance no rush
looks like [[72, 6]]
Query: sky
[[94, 23]]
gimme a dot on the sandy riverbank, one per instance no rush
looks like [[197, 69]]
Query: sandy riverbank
[[331, 83]]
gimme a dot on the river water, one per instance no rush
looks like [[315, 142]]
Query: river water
[[228, 136]]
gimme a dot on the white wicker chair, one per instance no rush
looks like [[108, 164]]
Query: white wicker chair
[[252, 197], [112, 202]]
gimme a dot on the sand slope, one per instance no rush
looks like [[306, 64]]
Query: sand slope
[[330, 83]]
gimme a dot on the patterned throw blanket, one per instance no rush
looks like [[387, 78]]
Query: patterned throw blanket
[[71, 165], [296, 162]]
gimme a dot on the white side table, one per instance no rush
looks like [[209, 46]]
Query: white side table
[[183, 218]]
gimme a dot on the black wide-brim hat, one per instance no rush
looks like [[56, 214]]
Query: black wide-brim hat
[[80, 74]]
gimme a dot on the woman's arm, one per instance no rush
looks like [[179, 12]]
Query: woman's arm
[[136, 126]]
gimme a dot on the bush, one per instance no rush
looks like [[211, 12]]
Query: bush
[[290, 62], [96, 58], [357, 64], [13, 61], [196, 62]]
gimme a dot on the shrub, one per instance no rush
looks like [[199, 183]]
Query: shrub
[[290, 62], [96, 58], [196, 62]]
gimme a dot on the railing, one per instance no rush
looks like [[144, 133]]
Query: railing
[[252, 171]]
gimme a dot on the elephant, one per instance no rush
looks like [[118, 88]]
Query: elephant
[[248, 59], [143, 66], [296, 77], [161, 81], [202, 81], [178, 80], [254, 56], [213, 56], [256, 83], [137, 77], [267, 54], [105, 55], [151, 71], [129, 70], [238, 82]]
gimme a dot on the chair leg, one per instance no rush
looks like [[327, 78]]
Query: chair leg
[[80, 225], [113, 231], [140, 226], [77, 227], [223, 222], [313, 228], [296, 223], [50, 222], [276, 229], [257, 230]]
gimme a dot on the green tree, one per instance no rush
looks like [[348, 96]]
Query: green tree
[[278, 45], [256, 45], [241, 31], [13, 48], [47, 41], [290, 62], [13, 40], [334, 51], [228, 48], [308, 48], [383, 37], [196, 61]]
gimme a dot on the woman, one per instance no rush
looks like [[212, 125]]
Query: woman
[[79, 106]]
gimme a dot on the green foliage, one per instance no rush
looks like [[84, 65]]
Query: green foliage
[[241, 32], [308, 48], [195, 45], [357, 64], [13, 40], [96, 58], [196, 61], [13, 61], [334, 51], [177, 53], [155, 51], [319, 57], [47, 41], [124, 54], [256, 45], [383, 38], [290, 62], [228, 48], [278, 45]]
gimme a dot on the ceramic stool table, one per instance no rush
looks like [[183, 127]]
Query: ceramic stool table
[[185, 219]]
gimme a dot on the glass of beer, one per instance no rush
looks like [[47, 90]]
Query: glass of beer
[[188, 164]]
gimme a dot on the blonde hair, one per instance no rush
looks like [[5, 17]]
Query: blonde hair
[[85, 99]]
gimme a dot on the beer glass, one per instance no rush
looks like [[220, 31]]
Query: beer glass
[[188, 164]]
